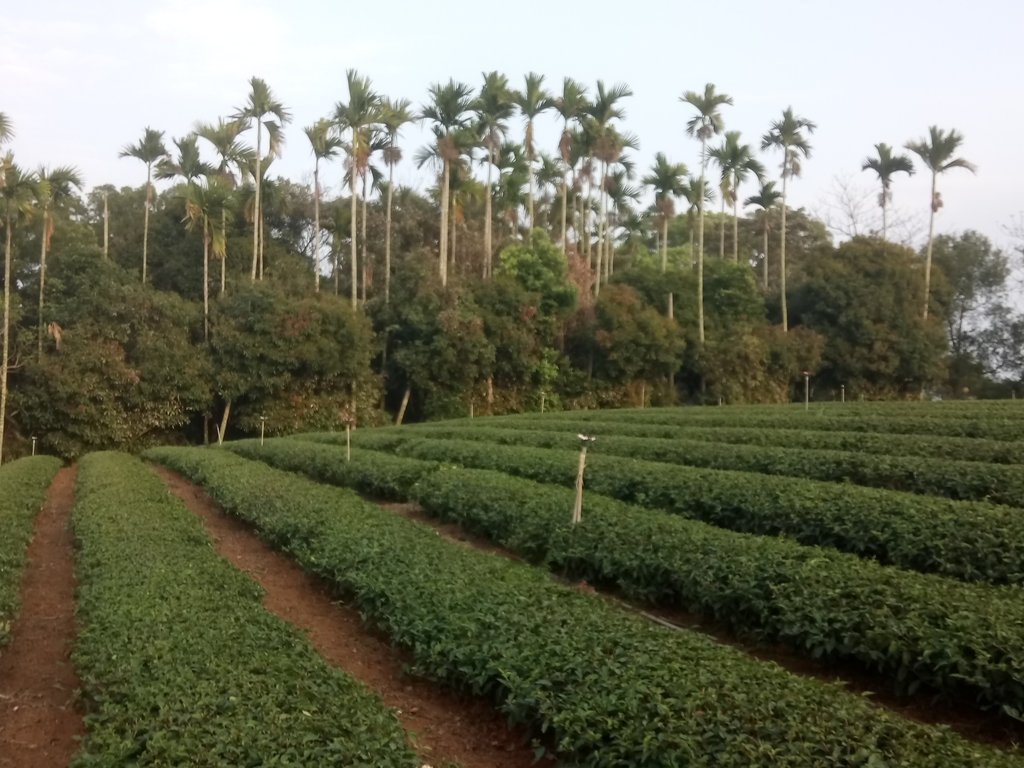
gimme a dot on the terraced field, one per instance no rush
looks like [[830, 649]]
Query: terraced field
[[740, 578]]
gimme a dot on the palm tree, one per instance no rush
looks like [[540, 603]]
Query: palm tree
[[54, 188], [667, 181], [325, 145], [887, 165], [608, 144], [494, 106], [206, 206], [393, 115], [702, 126], [373, 140], [6, 128], [766, 199], [622, 196], [149, 149], [267, 112], [18, 192], [787, 134], [356, 116], [189, 164], [532, 100], [223, 136], [447, 109], [737, 163], [936, 152], [571, 105]]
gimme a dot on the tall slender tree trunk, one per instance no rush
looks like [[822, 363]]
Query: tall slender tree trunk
[[206, 280], [316, 225], [387, 234], [565, 210], [257, 214], [885, 221], [354, 250], [145, 221], [782, 249], [263, 240], [224, 423], [362, 237], [721, 233], [453, 225], [42, 279], [664, 262], [602, 230], [736, 229], [700, 242], [442, 261], [224, 256], [106, 228], [529, 162], [928, 252], [405, 404], [487, 218], [764, 263], [6, 349]]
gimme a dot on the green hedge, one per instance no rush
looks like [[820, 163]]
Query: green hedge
[[605, 687], [986, 425], [180, 663], [963, 640], [923, 446], [381, 475], [23, 487], [965, 540], [958, 480]]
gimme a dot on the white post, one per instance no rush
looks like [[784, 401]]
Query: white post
[[577, 509], [33, 445], [263, 426], [807, 390], [348, 441], [842, 393]]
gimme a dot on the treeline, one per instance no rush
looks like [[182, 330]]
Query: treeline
[[271, 305]]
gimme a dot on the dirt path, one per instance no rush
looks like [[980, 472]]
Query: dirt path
[[966, 720], [444, 726], [39, 722]]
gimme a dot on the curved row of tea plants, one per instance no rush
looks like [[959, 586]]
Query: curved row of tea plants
[[23, 486], [965, 540], [960, 639], [922, 446], [180, 663], [379, 475], [991, 428], [958, 480], [605, 688]]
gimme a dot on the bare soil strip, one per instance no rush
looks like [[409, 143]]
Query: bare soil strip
[[445, 727], [988, 728], [40, 724]]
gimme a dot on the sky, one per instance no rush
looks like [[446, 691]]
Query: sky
[[82, 79]]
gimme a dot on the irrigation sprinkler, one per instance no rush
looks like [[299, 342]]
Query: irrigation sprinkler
[[263, 429], [577, 510], [33, 445], [807, 390]]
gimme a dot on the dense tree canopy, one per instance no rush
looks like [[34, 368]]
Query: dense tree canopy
[[528, 276]]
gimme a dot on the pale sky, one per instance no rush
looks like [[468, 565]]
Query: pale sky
[[82, 79]]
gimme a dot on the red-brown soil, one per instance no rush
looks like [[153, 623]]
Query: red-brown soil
[[443, 726], [40, 724]]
